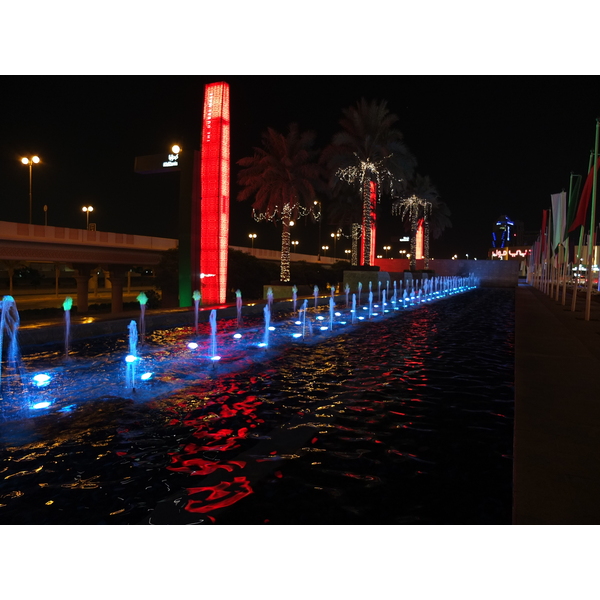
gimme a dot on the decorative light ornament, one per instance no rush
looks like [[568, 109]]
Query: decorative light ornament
[[365, 173], [416, 208]]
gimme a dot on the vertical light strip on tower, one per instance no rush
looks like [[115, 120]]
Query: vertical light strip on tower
[[214, 207], [372, 231], [419, 252]]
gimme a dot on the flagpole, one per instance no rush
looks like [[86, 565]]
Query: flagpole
[[588, 298], [580, 246]]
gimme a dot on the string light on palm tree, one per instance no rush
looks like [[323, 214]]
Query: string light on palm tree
[[282, 178], [415, 208], [364, 173]]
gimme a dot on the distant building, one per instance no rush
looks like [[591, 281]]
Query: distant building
[[502, 232]]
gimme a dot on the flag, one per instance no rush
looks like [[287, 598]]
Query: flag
[[559, 216], [574, 190], [544, 221], [584, 201]]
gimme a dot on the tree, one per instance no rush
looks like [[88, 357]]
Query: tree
[[421, 201], [370, 154], [283, 177]]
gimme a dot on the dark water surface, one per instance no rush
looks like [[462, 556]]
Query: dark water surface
[[407, 420]]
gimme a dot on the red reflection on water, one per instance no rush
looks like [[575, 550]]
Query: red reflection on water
[[221, 495]]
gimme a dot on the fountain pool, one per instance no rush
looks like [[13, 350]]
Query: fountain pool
[[405, 419]]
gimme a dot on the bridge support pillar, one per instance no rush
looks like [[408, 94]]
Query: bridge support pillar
[[82, 278], [118, 276]]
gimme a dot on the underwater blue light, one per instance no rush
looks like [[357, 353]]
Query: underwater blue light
[[237, 336], [271, 328], [324, 328], [192, 345], [361, 318], [130, 358], [338, 314], [41, 379], [44, 404], [296, 335], [320, 318], [297, 322], [145, 376], [66, 409], [215, 358], [261, 345]]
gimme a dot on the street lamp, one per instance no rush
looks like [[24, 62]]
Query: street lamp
[[387, 249], [30, 161], [336, 237], [295, 244], [324, 248], [252, 237], [87, 210]]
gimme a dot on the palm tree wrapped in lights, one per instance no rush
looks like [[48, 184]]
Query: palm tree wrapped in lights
[[416, 208], [363, 173], [368, 152], [422, 203], [283, 177]]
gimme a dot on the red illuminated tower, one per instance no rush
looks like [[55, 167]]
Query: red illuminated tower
[[214, 202]]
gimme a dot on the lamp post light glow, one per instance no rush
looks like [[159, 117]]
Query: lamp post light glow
[[324, 248], [87, 210], [387, 249], [30, 162], [336, 236], [295, 245], [252, 237]]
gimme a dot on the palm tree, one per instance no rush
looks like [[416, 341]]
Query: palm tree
[[283, 178], [421, 201], [369, 153]]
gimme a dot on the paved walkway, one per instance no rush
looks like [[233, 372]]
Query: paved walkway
[[557, 411]]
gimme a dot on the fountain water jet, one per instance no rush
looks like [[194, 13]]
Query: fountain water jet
[[196, 296], [132, 357], [143, 300], [9, 324], [267, 313], [67, 304], [238, 304]]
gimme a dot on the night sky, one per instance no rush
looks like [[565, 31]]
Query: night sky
[[492, 145]]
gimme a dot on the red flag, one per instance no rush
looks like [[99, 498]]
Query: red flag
[[584, 201], [544, 219]]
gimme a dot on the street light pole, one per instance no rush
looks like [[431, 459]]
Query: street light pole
[[30, 162], [87, 210], [252, 237]]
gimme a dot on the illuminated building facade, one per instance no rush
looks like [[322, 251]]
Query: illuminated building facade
[[501, 233], [211, 276], [369, 228]]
